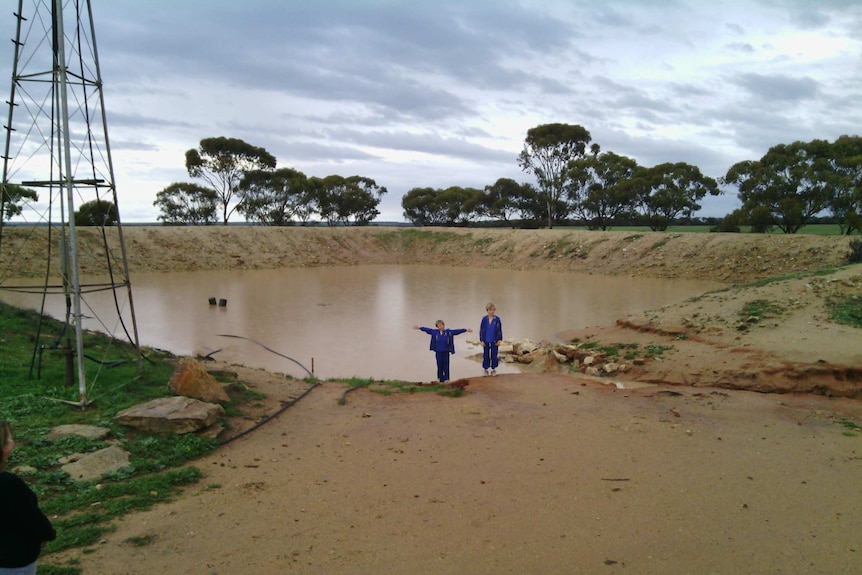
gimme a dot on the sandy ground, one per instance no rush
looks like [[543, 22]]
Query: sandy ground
[[523, 474], [688, 470]]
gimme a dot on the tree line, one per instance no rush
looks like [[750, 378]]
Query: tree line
[[243, 178], [577, 183]]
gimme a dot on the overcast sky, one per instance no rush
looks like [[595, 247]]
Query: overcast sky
[[421, 93]]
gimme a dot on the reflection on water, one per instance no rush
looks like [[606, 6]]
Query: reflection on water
[[357, 320]]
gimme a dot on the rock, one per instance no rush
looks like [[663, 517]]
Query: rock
[[191, 379], [525, 347], [542, 362], [559, 356], [171, 415], [88, 431], [589, 360], [94, 465]]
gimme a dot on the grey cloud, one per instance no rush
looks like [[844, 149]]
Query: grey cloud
[[433, 144], [777, 87], [742, 47]]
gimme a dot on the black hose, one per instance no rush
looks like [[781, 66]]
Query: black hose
[[269, 418], [269, 350], [284, 406]]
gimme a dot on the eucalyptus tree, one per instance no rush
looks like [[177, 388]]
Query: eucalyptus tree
[[274, 197], [12, 198], [600, 188], [845, 198], [504, 198], [97, 213], [460, 205], [341, 200], [222, 162], [791, 182], [361, 200], [548, 151], [186, 203], [422, 207], [670, 190]]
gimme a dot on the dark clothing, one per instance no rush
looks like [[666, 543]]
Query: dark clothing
[[490, 332], [442, 366], [23, 526], [442, 340], [442, 344]]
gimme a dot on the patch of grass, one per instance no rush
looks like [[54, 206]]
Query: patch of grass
[[629, 351], [71, 568], [785, 277], [851, 428], [661, 243], [141, 541], [846, 310], [656, 351], [761, 309], [33, 402], [396, 387]]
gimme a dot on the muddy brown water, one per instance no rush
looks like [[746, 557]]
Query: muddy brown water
[[357, 320]]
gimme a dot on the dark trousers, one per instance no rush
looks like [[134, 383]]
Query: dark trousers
[[489, 355], [442, 366]]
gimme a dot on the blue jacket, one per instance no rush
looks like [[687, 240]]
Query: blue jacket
[[491, 333], [442, 341]]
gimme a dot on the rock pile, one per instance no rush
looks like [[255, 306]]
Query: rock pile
[[546, 357]]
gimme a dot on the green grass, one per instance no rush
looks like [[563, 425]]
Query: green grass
[[761, 309], [851, 428], [629, 351], [846, 310], [83, 512], [395, 387]]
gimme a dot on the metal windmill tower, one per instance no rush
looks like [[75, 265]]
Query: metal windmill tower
[[57, 148]]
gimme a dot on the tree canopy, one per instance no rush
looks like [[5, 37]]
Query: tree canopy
[[97, 213], [187, 203], [600, 188], [12, 196], [222, 162], [790, 183], [343, 200], [274, 198], [669, 190], [548, 151]]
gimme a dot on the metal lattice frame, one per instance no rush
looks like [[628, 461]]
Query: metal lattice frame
[[57, 145]]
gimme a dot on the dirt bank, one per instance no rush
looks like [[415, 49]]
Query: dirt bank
[[730, 258]]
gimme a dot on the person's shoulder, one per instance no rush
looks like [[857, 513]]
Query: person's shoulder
[[9, 480]]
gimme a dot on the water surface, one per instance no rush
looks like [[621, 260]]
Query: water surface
[[357, 320]]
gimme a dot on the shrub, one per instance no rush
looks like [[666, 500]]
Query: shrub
[[854, 256]]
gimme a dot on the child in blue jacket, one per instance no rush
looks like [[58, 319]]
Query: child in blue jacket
[[442, 344], [491, 336]]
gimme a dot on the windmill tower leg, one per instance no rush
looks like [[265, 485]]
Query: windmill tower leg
[[57, 145]]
